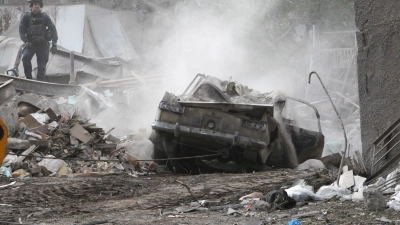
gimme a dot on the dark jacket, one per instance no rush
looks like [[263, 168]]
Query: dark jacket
[[24, 26]]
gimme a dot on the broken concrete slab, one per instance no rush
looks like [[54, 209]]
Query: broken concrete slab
[[18, 144], [9, 114], [47, 103], [26, 108], [7, 91], [81, 134], [30, 98]]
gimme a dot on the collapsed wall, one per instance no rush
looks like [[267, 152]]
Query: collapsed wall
[[378, 69]]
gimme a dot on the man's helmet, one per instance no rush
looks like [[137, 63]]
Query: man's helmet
[[35, 1]]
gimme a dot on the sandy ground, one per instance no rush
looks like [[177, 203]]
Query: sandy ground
[[123, 199]]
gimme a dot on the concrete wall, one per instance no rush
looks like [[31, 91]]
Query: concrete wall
[[378, 68]]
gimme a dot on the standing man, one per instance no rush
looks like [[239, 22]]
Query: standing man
[[36, 30]]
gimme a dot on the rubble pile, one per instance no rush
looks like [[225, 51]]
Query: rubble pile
[[50, 144], [293, 202]]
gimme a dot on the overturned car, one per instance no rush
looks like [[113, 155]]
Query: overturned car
[[225, 126]]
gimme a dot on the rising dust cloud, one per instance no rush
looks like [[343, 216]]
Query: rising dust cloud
[[228, 39]]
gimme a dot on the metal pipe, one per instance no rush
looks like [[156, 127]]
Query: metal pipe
[[202, 75], [388, 151], [341, 122], [386, 144], [312, 106]]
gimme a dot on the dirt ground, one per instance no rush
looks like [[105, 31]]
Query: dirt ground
[[124, 199]]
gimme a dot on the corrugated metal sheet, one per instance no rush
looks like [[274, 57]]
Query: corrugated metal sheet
[[110, 36], [70, 22]]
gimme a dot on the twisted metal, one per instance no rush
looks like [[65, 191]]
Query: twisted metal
[[340, 119]]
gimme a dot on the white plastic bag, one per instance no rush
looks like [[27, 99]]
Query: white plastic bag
[[311, 164], [301, 193], [358, 196], [328, 192], [394, 204]]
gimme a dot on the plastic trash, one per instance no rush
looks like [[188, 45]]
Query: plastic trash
[[328, 192], [358, 196], [395, 202], [9, 159], [294, 222], [4, 171], [379, 182], [40, 117], [71, 100], [301, 193], [311, 164], [394, 205], [390, 179]]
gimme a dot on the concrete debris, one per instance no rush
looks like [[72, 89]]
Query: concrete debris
[[18, 144], [233, 212], [384, 219], [374, 199], [46, 136]]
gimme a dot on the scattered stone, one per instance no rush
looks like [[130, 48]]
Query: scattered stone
[[384, 219], [35, 170], [254, 222], [374, 199], [233, 212], [9, 114], [308, 214]]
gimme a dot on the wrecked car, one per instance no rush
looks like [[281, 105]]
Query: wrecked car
[[222, 124]]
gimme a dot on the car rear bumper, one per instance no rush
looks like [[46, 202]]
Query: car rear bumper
[[210, 135]]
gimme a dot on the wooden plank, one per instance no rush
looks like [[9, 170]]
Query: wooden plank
[[139, 78]]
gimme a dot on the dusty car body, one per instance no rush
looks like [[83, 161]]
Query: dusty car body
[[226, 122]]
